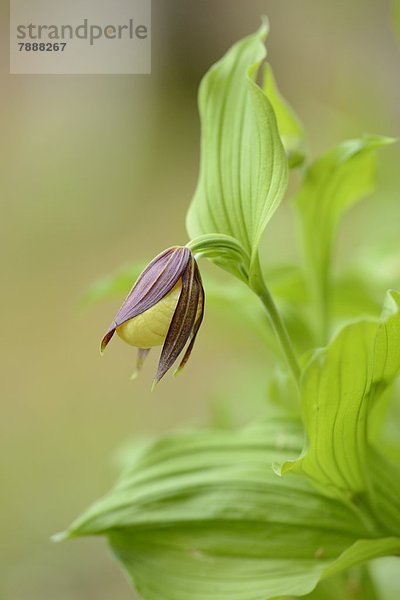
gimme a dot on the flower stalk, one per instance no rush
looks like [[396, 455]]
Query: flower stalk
[[259, 287]]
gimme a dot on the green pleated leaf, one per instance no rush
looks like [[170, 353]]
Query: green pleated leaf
[[289, 125], [202, 516], [332, 184], [353, 584], [243, 167], [339, 390]]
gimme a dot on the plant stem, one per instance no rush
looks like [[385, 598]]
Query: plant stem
[[259, 286]]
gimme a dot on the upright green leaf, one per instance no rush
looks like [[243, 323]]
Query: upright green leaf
[[243, 168], [202, 516], [332, 184], [289, 125], [339, 389]]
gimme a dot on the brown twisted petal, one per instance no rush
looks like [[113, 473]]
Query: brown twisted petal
[[183, 320], [158, 278], [198, 321]]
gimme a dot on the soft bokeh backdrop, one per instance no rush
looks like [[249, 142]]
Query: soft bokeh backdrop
[[96, 172]]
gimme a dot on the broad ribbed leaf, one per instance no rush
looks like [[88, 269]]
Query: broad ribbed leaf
[[354, 584], [289, 125], [340, 387], [331, 185], [202, 516], [243, 168]]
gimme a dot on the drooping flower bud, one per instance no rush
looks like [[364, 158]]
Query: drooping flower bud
[[165, 307]]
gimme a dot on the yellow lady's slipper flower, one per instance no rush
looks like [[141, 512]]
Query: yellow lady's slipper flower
[[165, 307]]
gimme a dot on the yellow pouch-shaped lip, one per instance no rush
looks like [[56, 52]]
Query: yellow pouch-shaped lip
[[150, 328]]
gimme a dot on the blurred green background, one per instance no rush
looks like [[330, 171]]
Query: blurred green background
[[97, 172]]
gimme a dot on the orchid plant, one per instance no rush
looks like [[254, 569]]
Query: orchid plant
[[296, 504]]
